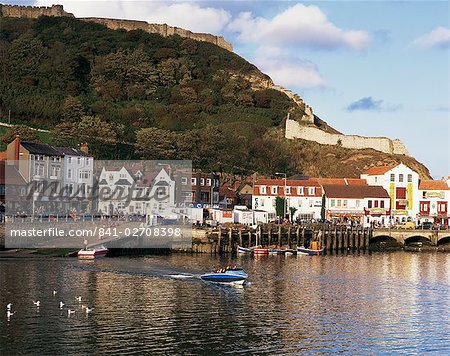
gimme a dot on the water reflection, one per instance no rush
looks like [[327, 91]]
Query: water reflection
[[394, 302]]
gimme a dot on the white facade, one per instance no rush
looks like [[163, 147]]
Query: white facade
[[305, 196], [434, 202], [402, 184], [78, 174]]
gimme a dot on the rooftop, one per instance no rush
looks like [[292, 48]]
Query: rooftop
[[355, 191], [433, 185], [375, 171]]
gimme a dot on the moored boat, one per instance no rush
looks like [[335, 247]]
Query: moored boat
[[226, 276], [308, 251], [243, 250], [91, 253], [259, 250]]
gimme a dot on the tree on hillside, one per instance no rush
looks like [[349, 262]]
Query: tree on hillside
[[25, 133], [157, 144], [72, 109]]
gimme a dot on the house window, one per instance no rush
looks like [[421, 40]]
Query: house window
[[392, 177], [184, 181], [274, 190], [409, 178], [263, 189], [55, 171], [311, 190], [345, 203], [288, 190], [69, 159], [69, 174], [357, 203], [300, 191], [208, 182], [39, 169], [339, 203], [369, 204], [194, 181], [382, 204], [79, 160], [400, 178], [202, 181], [333, 203]]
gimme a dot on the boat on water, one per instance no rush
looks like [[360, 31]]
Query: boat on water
[[259, 250], [310, 252], [314, 250], [227, 275], [243, 250], [92, 253]]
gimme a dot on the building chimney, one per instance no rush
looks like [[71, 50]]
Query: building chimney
[[16, 147], [84, 147]]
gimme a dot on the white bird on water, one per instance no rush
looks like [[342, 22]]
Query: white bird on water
[[70, 312], [54, 292], [9, 306], [78, 298], [88, 310], [38, 303], [9, 314], [61, 304]]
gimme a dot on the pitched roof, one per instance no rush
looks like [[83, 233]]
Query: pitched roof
[[433, 185], [70, 151], [355, 191], [40, 148], [375, 171]]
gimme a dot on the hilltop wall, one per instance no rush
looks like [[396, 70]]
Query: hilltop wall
[[295, 130], [114, 24], [32, 12], [161, 29]]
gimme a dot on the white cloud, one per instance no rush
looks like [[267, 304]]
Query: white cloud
[[287, 70], [189, 15], [439, 37], [297, 25]]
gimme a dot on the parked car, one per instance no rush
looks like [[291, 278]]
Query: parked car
[[427, 225], [406, 225]]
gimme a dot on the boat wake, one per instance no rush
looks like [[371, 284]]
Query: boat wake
[[181, 276]]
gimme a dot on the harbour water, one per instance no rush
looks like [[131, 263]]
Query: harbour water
[[393, 302]]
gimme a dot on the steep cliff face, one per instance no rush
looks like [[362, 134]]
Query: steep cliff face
[[114, 24]]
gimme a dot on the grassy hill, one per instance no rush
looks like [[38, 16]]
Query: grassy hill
[[140, 95]]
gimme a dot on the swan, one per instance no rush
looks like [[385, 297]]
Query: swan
[[88, 310], [38, 303], [61, 304], [54, 292], [78, 298], [8, 306], [69, 312]]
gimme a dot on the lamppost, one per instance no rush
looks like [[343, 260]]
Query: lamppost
[[284, 192]]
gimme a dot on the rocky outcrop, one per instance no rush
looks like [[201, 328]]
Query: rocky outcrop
[[114, 24]]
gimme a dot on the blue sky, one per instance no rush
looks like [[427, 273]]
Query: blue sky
[[370, 68]]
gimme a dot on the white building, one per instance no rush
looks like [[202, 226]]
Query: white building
[[357, 203], [402, 184], [123, 192], [434, 201], [78, 177], [303, 196]]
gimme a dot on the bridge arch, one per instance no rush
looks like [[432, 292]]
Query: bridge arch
[[381, 238], [417, 238], [444, 240]]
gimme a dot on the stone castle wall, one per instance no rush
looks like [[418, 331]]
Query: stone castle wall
[[114, 24], [295, 130], [32, 12]]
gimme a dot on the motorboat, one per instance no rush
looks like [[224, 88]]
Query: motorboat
[[259, 250], [92, 253], [233, 275]]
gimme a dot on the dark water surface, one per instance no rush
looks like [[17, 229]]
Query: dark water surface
[[396, 303]]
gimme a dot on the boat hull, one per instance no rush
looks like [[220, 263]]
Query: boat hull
[[243, 250], [97, 252], [309, 252]]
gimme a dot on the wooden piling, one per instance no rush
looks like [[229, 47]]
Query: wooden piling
[[279, 235]]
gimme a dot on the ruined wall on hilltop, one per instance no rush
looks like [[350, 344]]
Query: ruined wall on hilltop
[[310, 133], [114, 24], [33, 12]]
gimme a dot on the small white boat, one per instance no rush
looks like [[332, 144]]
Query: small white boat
[[243, 250], [91, 253], [226, 276], [310, 252]]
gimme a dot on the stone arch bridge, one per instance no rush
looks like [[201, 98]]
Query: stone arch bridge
[[434, 237]]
